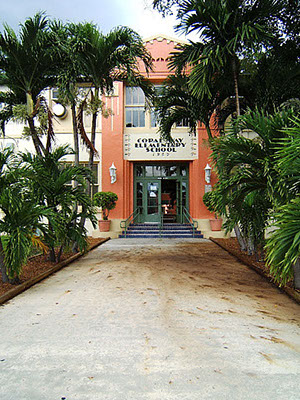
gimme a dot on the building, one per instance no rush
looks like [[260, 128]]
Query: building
[[151, 174], [163, 180]]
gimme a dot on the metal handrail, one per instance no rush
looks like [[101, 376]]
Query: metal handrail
[[161, 225], [125, 223], [190, 220]]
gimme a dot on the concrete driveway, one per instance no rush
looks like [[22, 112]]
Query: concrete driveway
[[158, 320]]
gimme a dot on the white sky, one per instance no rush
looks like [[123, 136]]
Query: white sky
[[137, 14]]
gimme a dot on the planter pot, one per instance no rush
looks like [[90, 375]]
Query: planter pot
[[216, 224], [104, 225]]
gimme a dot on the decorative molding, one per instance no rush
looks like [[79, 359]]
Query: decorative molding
[[169, 39]]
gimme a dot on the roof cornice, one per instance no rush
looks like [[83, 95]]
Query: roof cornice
[[161, 37]]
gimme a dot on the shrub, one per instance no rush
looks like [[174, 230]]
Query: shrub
[[105, 200]]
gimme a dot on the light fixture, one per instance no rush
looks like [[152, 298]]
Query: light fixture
[[113, 173], [207, 170], [59, 110]]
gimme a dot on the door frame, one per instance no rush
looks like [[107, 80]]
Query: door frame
[[145, 180]]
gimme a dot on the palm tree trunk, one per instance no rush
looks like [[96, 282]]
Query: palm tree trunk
[[93, 140], [39, 147], [52, 255], [240, 238], [250, 247], [75, 136], [91, 155], [5, 277], [60, 253], [93, 134], [91, 162], [296, 268], [76, 149], [236, 86], [208, 130]]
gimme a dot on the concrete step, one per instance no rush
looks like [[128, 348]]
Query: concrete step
[[156, 224], [157, 235], [177, 228], [168, 232], [156, 227], [172, 230]]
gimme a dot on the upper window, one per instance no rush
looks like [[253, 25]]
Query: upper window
[[183, 123], [135, 107], [153, 119], [134, 96], [55, 94], [153, 115]]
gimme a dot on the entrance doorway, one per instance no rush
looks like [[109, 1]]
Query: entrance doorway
[[161, 192], [169, 201]]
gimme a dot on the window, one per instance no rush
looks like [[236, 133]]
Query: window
[[183, 171], [135, 95], [153, 117], [183, 123], [135, 107], [154, 122], [55, 94], [95, 183], [161, 170], [139, 170]]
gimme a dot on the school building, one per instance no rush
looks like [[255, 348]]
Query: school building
[[156, 182]]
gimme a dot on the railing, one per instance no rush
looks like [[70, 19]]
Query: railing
[[125, 223], [186, 217], [161, 224], [189, 219]]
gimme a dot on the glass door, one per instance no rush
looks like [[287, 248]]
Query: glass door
[[181, 198], [153, 201], [160, 189], [139, 192], [179, 202]]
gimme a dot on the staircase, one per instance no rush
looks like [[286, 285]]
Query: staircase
[[153, 231]]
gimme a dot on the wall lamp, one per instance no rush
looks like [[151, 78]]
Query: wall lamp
[[113, 173], [207, 170]]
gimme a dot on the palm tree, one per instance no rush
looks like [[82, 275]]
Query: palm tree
[[52, 184], [22, 219], [226, 28], [248, 173], [5, 157], [69, 39], [28, 66], [175, 102], [22, 216], [283, 247], [272, 78], [109, 58], [68, 42]]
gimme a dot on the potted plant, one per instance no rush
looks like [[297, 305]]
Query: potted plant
[[107, 201], [208, 200]]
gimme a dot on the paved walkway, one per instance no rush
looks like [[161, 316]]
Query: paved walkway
[[162, 320]]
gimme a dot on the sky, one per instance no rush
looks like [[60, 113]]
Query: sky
[[107, 14]]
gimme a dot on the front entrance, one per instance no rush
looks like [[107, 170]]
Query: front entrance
[[161, 192]]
